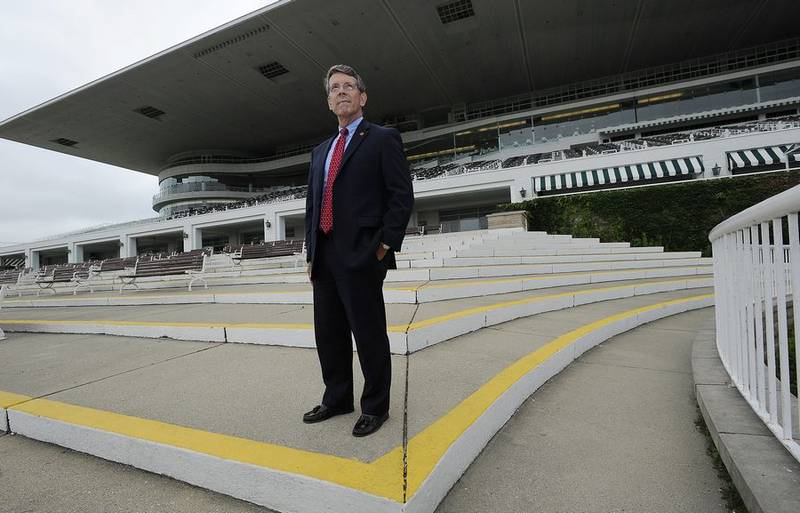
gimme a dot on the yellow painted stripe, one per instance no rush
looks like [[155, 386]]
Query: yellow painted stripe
[[506, 304], [427, 448], [108, 322], [8, 399], [383, 477]]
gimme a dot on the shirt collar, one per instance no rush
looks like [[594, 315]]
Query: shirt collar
[[351, 128]]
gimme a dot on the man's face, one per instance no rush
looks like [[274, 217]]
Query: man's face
[[344, 98]]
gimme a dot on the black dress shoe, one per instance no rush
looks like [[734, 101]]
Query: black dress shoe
[[322, 412], [368, 424]]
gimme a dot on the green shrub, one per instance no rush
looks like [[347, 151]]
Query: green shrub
[[677, 216]]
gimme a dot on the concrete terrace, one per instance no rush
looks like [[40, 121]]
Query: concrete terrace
[[208, 386]]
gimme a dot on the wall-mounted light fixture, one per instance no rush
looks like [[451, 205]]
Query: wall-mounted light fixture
[[523, 192], [716, 169], [267, 224]]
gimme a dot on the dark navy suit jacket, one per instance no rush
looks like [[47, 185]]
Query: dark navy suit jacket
[[372, 196]]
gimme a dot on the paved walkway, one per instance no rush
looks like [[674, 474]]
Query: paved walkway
[[613, 432]]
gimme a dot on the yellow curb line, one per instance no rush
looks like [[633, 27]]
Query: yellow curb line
[[383, 477], [427, 447]]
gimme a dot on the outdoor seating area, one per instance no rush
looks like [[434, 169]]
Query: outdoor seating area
[[278, 248], [191, 264], [448, 289], [284, 194], [74, 274]]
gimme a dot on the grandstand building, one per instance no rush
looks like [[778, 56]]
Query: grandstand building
[[497, 102]]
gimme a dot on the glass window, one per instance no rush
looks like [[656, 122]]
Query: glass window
[[583, 120], [779, 84], [477, 141], [696, 99], [513, 134], [435, 149]]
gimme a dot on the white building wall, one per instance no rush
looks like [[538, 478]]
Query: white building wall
[[513, 180]]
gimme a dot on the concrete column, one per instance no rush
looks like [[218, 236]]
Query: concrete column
[[758, 91], [413, 219], [196, 236], [279, 228], [34, 260], [77, 253], [129, 250], [72, 253], [268, 227], [187, 239], [28, 258]]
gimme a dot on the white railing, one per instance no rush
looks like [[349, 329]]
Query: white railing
[[756, 265]]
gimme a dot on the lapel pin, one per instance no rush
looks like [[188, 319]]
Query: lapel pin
[[361, 134]]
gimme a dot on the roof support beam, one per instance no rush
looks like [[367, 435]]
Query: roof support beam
[[626, 61], [436, 80], [523, 41]]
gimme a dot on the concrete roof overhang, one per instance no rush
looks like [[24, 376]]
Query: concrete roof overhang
[[213, 95]]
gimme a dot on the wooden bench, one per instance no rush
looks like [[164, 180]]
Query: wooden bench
[[70, 273], [117, 264], [191, 264], [95, 272], [10, 280], [272, 249], [415, 230]]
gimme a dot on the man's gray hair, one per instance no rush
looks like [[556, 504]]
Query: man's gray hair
[[347, 70]]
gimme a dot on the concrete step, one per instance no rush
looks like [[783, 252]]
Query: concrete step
[[394, 293], [411, 328], [226, 417], [684, 256]]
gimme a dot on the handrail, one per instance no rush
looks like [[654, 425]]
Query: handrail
[[773, 207], [756, 271]]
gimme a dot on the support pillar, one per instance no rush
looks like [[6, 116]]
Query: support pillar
[[34, 260], [129, 249], [196, 238], [72, 253]]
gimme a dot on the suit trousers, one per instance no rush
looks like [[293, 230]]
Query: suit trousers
[[351, 301]]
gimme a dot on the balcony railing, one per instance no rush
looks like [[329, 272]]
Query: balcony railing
[[293, 151], [165, 192], [756, 272]]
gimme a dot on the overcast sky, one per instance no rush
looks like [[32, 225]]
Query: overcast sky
[[49, 47]]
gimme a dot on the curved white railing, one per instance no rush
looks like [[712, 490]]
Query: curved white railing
[[756, 265]]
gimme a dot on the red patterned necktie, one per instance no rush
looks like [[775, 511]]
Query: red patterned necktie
[[326, 214]]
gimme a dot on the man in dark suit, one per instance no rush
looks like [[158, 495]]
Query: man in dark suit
[[358, 206]]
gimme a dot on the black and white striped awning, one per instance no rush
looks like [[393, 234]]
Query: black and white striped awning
[[619, 175], [757, 157]]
